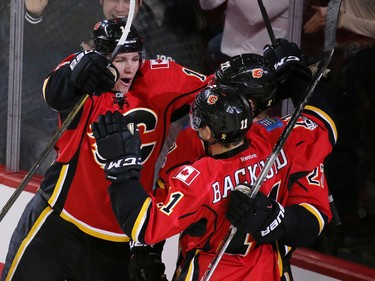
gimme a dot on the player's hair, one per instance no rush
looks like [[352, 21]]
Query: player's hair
[[251, 74], [107, 33], [225, 111]]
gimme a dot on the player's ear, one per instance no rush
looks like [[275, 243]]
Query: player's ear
[[205, 134]]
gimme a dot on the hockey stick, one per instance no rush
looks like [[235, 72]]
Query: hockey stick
[[271, 34], [66, 122], [329, 45], [267, 22]]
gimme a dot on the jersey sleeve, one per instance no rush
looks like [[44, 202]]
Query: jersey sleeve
[[310, 191], [58, 90], [176, 86], [313, 138], [309, 142], [150, 219]]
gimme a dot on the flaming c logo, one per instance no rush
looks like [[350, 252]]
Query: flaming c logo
[[257, 72], [212, 99]]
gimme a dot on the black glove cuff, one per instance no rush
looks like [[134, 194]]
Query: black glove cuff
[[272, 229]]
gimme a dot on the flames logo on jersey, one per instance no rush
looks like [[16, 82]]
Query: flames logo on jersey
[[212, 99], [257, 73], [146, 120]]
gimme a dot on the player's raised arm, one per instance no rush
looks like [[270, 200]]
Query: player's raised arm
[[86, 72]]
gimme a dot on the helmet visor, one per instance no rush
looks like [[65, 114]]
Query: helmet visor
[[195, 121]]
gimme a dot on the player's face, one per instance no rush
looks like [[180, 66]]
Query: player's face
[[127, 64], [118, 8]]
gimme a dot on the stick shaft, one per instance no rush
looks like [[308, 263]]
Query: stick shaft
[[267, 22], [42, 157]]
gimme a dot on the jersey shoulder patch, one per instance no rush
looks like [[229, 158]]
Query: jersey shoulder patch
[[159, 64], [271, 123], [186, 174]]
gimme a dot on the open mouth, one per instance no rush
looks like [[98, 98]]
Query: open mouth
[[125, 80]]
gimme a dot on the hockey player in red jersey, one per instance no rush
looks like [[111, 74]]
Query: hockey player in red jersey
[[307, 188], [196, 197], [68, 231]]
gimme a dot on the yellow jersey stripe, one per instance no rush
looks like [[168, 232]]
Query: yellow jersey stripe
[[95, 232], [316, 213], [59, 185], [326, 117], [34, 230], [140, 219]]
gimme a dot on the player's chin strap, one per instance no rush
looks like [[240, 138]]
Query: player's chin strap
[[65, 124]]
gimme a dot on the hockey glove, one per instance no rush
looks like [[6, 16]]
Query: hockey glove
[[260, 216], [92, 73], [145, 262], [286, 59], [118, 146]]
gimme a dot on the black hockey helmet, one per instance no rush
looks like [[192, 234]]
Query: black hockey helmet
[[250, 73], [224, 110], [107, 33]]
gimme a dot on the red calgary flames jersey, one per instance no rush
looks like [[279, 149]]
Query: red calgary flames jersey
[[195, 198], [75, 183]]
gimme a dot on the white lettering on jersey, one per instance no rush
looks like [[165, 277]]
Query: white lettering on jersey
[[246, 175], [248, 157]]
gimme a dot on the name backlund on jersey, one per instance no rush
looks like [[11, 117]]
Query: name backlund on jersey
[[229, 182], [245, 175]]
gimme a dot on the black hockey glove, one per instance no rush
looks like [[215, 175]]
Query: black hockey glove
[[145, 262], [118, 146], [92, 73], [260, 216], [286, 59]]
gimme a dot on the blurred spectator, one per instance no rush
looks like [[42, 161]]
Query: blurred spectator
[[166, 41], [119, 8], [244, 28], [213, 33], [355, 16]]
